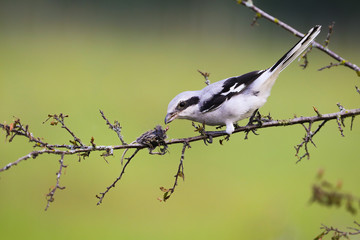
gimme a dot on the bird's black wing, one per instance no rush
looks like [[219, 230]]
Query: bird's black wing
[[231, 87]]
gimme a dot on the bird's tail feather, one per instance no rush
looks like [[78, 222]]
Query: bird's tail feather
[[295, 51]]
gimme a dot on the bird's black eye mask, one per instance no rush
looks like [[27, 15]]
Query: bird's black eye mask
[[187, 103]]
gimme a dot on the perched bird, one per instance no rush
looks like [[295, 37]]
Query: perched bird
[[228, 101]]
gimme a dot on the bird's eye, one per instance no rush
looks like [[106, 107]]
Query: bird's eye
[[181, 104]]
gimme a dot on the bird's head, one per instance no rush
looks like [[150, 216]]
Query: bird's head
[[183, 106]]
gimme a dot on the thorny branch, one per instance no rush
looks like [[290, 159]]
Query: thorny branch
[[102, 194], [179, 173], [155, 138], [259, 13], [16, 128], [115, 127], [50, 195], [61, 119], [309, 134], [308, 138]]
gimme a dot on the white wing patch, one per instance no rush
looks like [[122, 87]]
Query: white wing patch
[[234, 89]]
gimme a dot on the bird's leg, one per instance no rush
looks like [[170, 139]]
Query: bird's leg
[[255, 118], [229, 130]]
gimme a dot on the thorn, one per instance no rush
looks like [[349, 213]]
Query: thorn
[[317, 111]]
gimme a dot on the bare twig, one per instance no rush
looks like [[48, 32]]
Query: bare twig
[[17, 129], [102, 194], [255, 19], [50, 195], [115, 127], [352, 122], [340, 120], [308, 138], [331, 65], [309, 134], [206, 75], [327, 40], [179, 173], [61, 119], [259, 12], [305, 57]]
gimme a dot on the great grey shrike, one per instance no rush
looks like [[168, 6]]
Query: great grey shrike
[[228, 101]]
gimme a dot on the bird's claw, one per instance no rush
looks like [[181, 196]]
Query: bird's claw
[[255, 120], [207, 138]]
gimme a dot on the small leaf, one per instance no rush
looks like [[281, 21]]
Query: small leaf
[[11, 127], [181, 174], [92, 141], [164, 189], [339, 184]]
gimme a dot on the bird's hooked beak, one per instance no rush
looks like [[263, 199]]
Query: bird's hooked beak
[[171, 117]]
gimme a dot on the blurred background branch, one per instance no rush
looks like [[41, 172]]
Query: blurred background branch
[[329, 194]]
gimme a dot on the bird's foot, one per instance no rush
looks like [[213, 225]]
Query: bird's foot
[[255, 120], [227, 138]]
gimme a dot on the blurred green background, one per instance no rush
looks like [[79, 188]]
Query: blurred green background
[[130, 58]]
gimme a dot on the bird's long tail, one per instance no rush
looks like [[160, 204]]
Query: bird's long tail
[[268, 77], [295, 51]]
